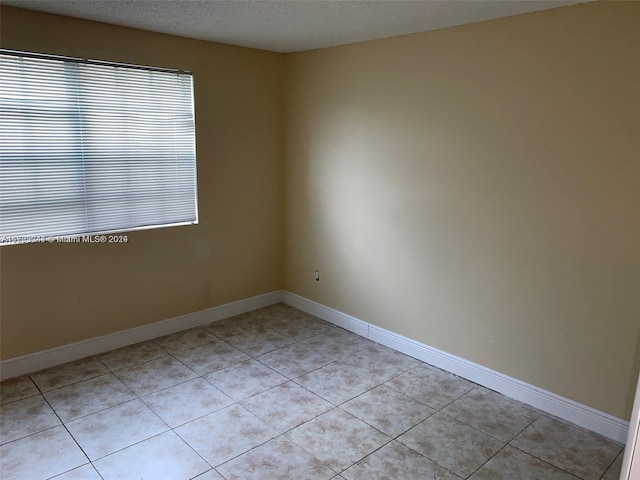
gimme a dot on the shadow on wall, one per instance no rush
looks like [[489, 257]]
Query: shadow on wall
[[635, 372]]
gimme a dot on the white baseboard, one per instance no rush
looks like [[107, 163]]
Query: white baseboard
[[549, 402], [570, 410], [326, 313], [73, 351]]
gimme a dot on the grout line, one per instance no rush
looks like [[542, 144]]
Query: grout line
[[129, 446], [488, 460], [93, 467], [252, 448], [301, 447], [473, 428], [101, 409], [545, 461], [64, 425], [430, 459], [525, 428], [31, 435], [194, 451], [611, 465], [391, 440]]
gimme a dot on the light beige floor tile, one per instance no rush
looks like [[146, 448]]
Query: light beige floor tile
[[584, 454], [211, 357], [294, 360], [256, 344], [164, 457], [187, 401], [225, 434], [254, 317], [235, 326], [68, 373], [245, 379], [277, 459], [17, 389], [88, 396], [25, 417], [286, 313], [388, 410], [511, 463], [347, 338], [286, 406], [337, 439], [181, 341], [298, 327], [613, 473], [272, 312], [113, 429], [397, 462], [132, 355], [431, 385], [451, 444], [491, 413], [337, 344], [337, 382], [41, 456], [382, 363], [155, 375], [86, 472]]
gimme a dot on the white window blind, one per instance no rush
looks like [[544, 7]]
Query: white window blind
[[90, 147]]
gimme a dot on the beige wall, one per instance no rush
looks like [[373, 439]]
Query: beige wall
[[56, 294], [478, 189], [474, 188]]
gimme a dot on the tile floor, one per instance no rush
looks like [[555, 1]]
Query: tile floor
[[278, 394]]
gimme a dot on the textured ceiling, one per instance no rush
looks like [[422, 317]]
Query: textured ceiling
[[288, 25]]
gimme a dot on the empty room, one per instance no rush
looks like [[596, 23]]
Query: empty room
[[319, 239]]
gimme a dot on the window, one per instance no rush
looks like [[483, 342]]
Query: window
[[90, 147]]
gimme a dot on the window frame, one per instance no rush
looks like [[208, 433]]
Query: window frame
[[9, 239]]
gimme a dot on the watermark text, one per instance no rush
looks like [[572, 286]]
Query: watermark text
[[13, 239]]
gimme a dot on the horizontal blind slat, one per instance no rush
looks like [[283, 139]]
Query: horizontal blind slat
[[87, 148]]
